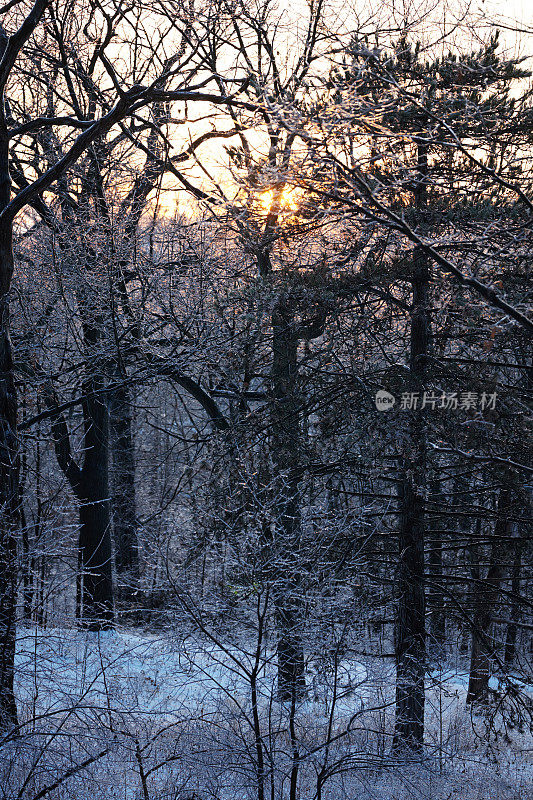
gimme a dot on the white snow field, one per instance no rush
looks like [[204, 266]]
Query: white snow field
[[169, 717]]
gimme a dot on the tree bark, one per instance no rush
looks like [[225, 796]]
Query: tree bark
[[90, 484], [486, 598], [9, 459], [516, 574], [435, 594], [96, 580], [410, 625], [123, 497], [285, 446], [410, 645], [514, 610]]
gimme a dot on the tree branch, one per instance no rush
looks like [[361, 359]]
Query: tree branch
[[16, 42]]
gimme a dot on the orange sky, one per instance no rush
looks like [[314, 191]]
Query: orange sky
[[502, 12]]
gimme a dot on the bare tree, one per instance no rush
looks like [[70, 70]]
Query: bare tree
[[116, 104]]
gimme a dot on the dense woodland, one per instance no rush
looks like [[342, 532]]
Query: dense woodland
[[265, 400]]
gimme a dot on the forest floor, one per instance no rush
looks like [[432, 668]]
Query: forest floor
[[178, 711]]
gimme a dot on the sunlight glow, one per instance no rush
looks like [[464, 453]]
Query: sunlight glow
[[288, 200]]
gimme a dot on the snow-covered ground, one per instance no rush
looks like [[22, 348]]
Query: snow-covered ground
[[183, 700], [158, 674]]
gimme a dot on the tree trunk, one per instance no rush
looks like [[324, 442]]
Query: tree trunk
[[514, 610], [410, 624], [410, 643], [9, 496], [486, 598], [285, 445], [9, 469], [516, 575], [95, 566], [435, 594], [123, 499]]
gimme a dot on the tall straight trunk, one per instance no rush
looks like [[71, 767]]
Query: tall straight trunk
[[285, 447], [26, 567], [9, 457], [435, 594], [123, 498], [95, 552], [9, 452], [30, 592], [516, 574], [410, 649], [514, 609], [90, 484], [487, 594], [410, 623]]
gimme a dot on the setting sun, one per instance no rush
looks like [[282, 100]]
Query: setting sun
[[289, 199]]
